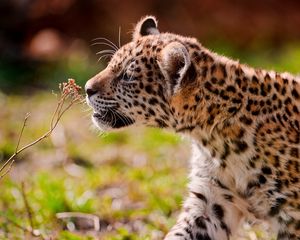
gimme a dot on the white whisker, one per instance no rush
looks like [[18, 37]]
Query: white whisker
[[105, 51], [119, 36], [114, 120], [106, 44], [102, 134], [123, 119], [104, 56], [102, 38], [131, 76]]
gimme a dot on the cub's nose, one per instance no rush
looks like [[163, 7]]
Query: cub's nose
[[90, 90]]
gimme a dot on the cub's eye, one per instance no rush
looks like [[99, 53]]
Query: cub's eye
[[124, 76]]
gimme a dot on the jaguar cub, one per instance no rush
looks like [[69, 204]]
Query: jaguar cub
[[243, 122]]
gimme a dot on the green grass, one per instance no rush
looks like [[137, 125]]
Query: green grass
[[120, 177], [133, 180]]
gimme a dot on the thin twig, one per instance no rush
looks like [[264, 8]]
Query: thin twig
[[22, 130], [11, 160], [27, 206], [17, 225], [24, 229], [70, 89]]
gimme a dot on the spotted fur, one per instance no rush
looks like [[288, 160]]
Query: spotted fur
[[244, 124]]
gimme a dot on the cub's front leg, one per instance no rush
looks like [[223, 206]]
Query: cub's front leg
[[206, 215]]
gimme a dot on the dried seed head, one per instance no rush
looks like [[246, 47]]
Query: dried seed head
[[70, 89]]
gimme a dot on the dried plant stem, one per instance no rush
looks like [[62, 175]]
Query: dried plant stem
[[22, 130], [11, 160], [24, 229], [27, 206], [17, 225], [31, 229], [68, 90]]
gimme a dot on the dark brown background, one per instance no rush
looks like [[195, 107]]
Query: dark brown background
[[44, 31]]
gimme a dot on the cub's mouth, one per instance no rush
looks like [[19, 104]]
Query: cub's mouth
[[111, 118]]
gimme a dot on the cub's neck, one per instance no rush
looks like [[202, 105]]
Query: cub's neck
[[230, 104]]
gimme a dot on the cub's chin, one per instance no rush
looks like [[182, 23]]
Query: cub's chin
[[108, 120]]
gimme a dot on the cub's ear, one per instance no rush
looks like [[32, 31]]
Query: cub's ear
[[175, 64], [146, 26]]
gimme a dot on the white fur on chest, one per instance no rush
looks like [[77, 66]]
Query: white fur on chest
[[205, 168], [235, 175]]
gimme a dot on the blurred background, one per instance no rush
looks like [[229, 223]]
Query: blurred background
[[44, 41], [132, 181]]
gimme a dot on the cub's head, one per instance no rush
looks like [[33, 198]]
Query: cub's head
[[147, 82]]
